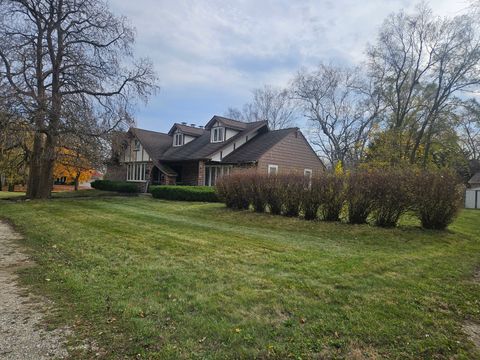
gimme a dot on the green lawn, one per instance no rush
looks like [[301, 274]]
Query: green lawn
[[10, 195], [159, 279]]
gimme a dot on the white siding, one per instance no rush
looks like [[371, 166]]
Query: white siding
[[135, 156], [187, 139], [472, 198], [230, 147], [229, 133]]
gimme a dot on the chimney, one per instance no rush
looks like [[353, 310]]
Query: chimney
[[192, 125]]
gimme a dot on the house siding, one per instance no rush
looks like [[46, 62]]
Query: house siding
[[292, 154]]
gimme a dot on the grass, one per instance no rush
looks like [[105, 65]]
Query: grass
[[84, 193], [10, 195], [158, 279]]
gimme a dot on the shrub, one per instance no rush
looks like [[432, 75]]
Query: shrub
[[273, 194], [391, 196], [358, 196], [311, 198], [255, 188], [184, 193], [119, 186], [232, 190], [436, 198], [332, 196], [292, 187]]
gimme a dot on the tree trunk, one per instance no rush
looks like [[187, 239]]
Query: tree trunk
[[76, 181], [35, 166], [11, 187], [48, 163]]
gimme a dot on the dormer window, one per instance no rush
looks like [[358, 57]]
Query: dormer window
[[178, 139], [218, 134]]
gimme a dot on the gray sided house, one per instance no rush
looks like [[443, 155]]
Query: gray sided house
[[191, 155]]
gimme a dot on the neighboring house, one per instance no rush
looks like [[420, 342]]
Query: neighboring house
[[474, 182], [193, 155], [472, 194]]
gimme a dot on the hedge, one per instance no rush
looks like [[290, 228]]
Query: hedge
[[184, 193], [119, 186], [378, 196]]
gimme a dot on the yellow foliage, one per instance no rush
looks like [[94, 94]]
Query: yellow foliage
[[69, 164]]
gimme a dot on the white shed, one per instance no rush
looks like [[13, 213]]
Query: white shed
[[472, 198]]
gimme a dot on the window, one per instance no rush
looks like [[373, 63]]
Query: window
[[272, 169], [307, 173], [178, 139], [136, 171], [136, 145], [213, 172], [218, 134]]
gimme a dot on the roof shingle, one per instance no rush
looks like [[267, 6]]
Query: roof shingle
[[259, 145]]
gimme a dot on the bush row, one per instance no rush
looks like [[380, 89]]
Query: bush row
[[119, 186], [377, 196], [184, 193]]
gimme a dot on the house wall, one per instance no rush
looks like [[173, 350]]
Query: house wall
[[129, 155], [292, 154], [233, 146], [190, 173], [229, 133], [472, 198]]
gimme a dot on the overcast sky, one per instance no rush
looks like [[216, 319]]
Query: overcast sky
[[210, 54]]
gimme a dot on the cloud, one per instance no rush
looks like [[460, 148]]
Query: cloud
[[220, 46]]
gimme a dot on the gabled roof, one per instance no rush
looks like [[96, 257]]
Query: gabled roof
[[188, 130], [155, 143], [230, 123], [475, 179], [259, 145], [201, 148]]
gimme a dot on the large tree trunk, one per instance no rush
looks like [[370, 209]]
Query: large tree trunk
[[35, 166]]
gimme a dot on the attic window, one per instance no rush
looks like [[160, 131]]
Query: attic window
[[136, 145], [218, 134], [178, 139]]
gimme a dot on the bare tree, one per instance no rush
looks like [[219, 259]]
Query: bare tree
[[269, 103], [469, 129], [60, 58], [420, 64], [341, 108]]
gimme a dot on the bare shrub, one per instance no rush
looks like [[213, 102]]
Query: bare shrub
[[255, 184], [332, 196], [391, 196], [359, 194], [436, 198], [311, 198], [292, 186], [232, 191], [273, 194]]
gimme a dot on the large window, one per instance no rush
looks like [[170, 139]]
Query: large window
[[178, 140], [213, 172], [136, 171], [218, 134]]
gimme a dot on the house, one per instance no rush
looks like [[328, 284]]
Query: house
[[474, 182], [472, 194], [198, 155]]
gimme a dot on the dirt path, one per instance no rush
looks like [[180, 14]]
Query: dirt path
[[22, 333]]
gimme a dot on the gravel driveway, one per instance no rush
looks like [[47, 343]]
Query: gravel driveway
[[22, 332]]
